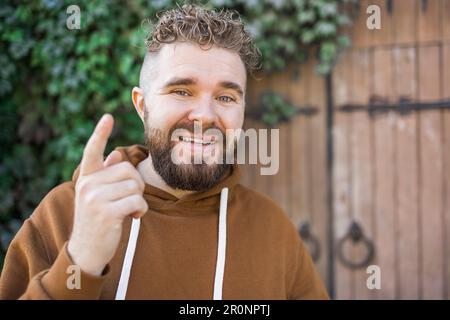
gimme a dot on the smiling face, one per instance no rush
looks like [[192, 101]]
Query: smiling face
[[183, 87]]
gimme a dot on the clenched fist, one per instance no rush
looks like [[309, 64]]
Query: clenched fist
[[105, 193]]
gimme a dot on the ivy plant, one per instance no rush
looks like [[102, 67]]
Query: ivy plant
[[275, 108]]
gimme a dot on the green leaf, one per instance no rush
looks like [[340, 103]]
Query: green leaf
[[307, 36], [306, 16]]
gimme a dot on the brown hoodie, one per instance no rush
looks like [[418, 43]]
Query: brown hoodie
[[176, 252]]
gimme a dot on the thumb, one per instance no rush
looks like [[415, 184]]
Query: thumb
[[113, 158]]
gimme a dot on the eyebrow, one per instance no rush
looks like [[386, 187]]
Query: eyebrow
[[191, 81], [233, 86], [179, 82]]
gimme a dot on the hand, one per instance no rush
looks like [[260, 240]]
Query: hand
[[105, 193]]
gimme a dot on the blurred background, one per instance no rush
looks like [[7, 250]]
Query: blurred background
[[363, 113]]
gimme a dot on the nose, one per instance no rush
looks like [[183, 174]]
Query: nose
[[203, 112]]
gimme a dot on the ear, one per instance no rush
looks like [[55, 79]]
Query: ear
[[137, 95]]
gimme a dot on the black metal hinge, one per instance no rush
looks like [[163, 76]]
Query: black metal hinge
[[404, 106]]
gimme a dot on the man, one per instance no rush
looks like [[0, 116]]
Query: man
[[148, 224]]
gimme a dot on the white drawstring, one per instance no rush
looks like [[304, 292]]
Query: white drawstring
[[221, 245], [221, 252], [128, 261]]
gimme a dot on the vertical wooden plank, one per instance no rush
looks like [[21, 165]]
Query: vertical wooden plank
[[360, 33], [383, 36], [446, 119], [341, 171], [407, 177], [318, 150], [431, 182], [280, 181], [361, 140], [384, 152], [404, 21], [428, 22], [445, 19], [306, 190], [248, 171], [249, 123], [298, 93], [341, 174], [260, 183]]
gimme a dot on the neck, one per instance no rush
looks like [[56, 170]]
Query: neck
[[150, 176]]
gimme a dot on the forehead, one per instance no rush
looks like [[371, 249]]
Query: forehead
[[208, 66]]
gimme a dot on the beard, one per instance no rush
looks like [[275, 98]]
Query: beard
[[183, 176]]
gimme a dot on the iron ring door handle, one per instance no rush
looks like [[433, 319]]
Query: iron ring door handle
[[354, 235], [311, 240]]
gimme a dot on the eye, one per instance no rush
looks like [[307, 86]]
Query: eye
[[181, 93], [226, 99]]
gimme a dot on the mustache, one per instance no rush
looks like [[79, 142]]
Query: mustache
[[195, 126]]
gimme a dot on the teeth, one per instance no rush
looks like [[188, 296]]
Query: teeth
[[195, 140]]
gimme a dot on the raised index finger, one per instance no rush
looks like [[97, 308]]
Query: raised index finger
[[93, 151]]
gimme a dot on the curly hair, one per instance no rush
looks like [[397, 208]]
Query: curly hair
[[193, 23]]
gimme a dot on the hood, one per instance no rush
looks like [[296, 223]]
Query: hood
[[204, 202]]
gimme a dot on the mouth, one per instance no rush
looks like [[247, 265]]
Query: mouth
[[206, 141]]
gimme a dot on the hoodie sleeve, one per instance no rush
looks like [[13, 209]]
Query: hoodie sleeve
[[306, 283], [33, 271]]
